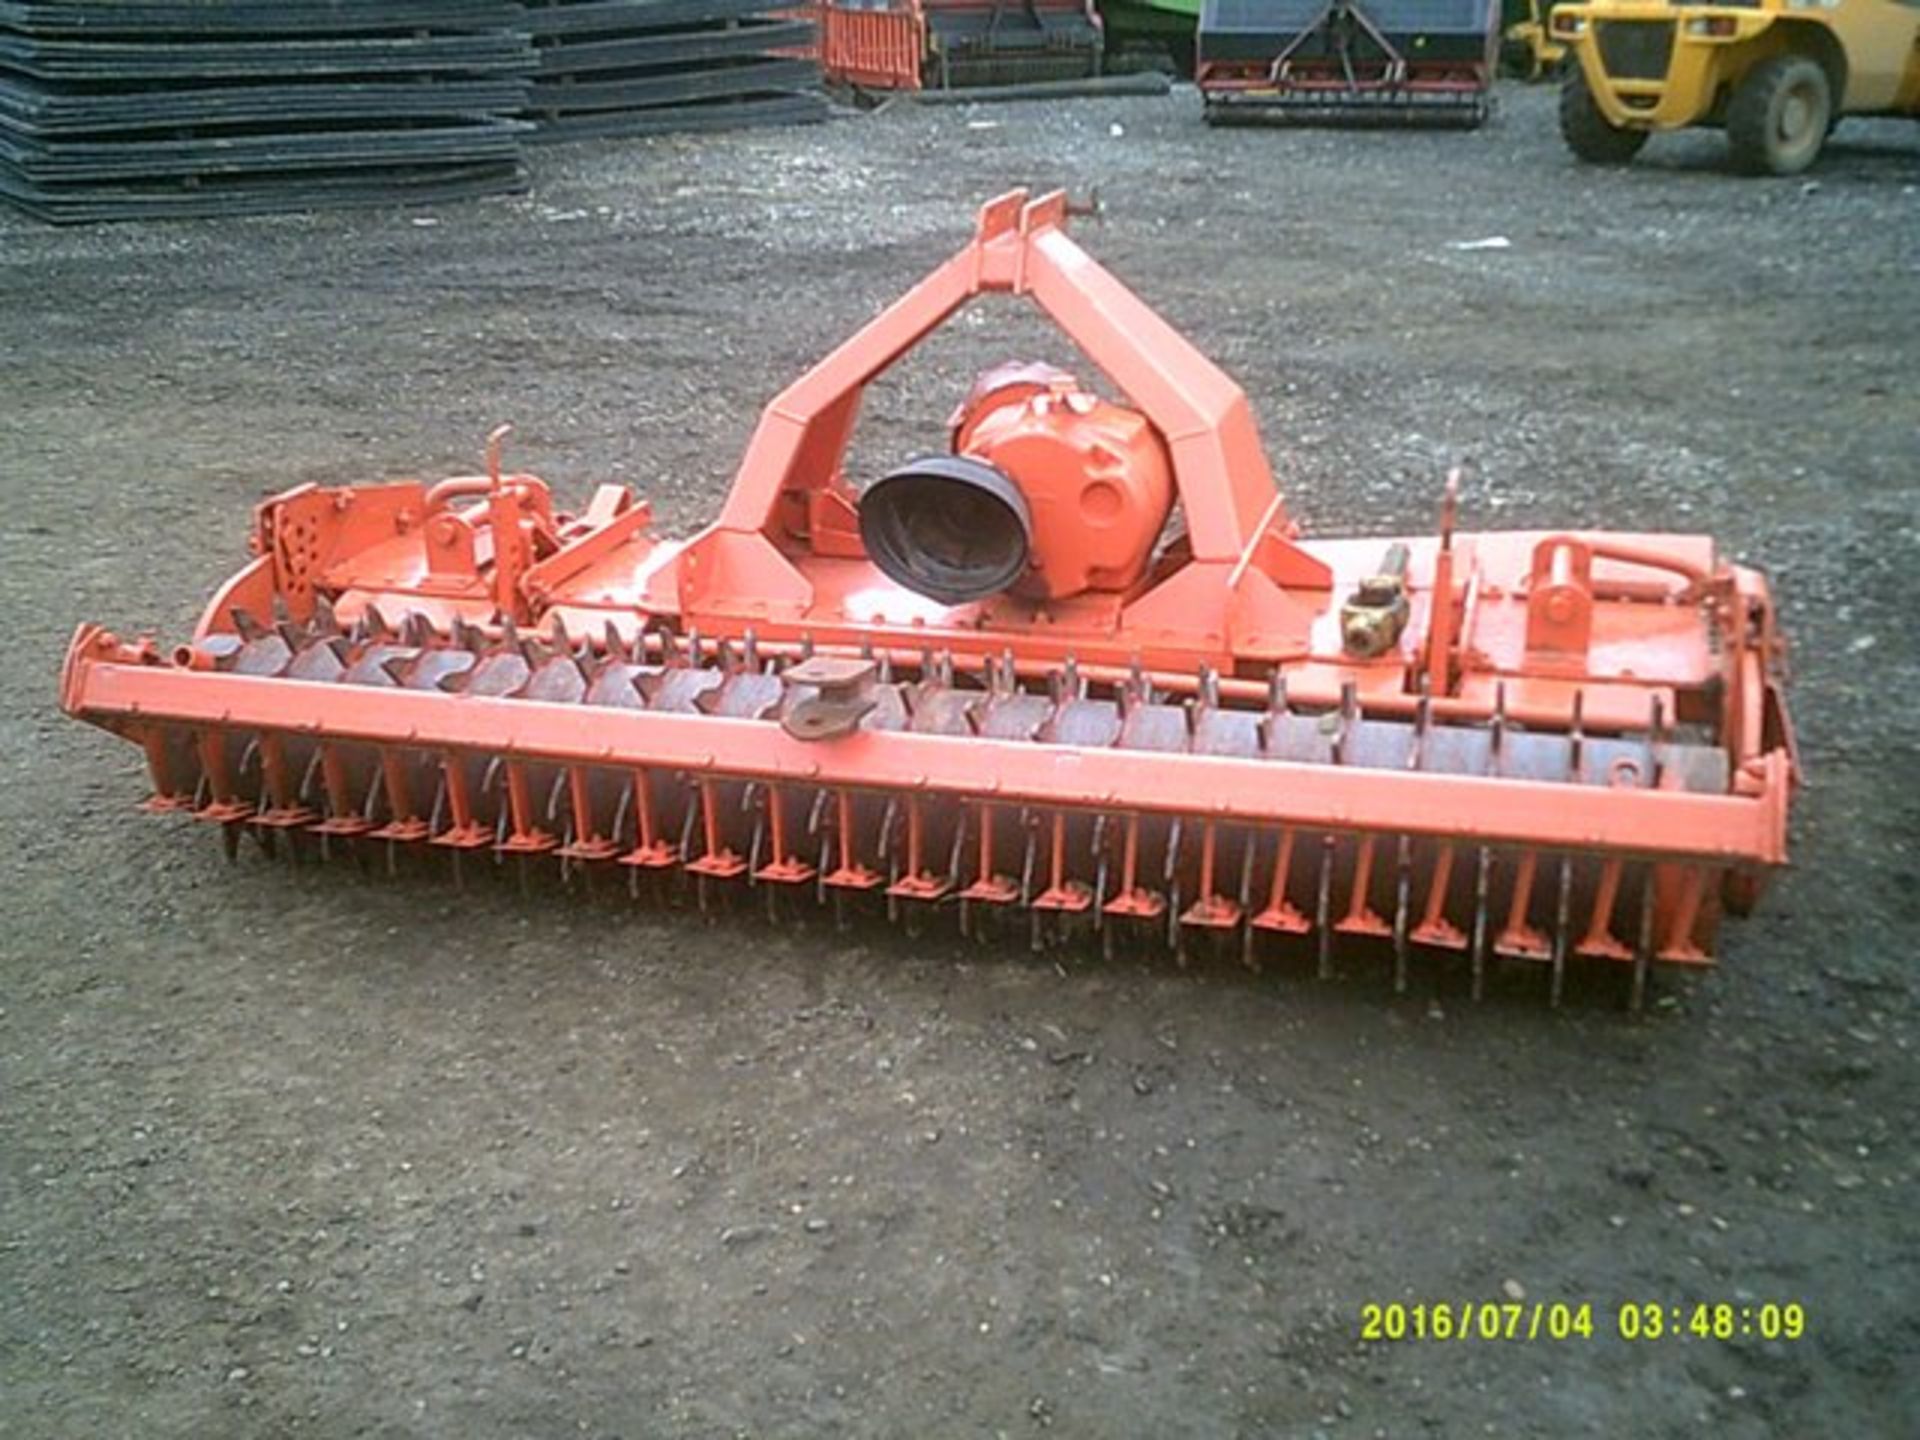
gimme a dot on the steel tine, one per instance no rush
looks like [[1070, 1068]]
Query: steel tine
[[1562, 914], [1402, 904], [1247, 854], [1643, 943], [1482, 883], [1657, 743], [1323, 906]]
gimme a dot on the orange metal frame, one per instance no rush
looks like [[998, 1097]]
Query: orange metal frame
[[1629, 820], [1564, 632]]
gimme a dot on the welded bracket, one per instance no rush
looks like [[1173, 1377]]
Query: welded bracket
[[1020, 247]]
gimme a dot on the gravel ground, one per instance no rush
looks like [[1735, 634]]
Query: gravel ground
[[291, 1154]]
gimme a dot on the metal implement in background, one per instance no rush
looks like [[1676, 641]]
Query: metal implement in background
[[1003, 682], [1396, 62], [888, 45]]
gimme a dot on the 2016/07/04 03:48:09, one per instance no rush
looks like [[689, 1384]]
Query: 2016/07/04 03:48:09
[[1561, 1320]]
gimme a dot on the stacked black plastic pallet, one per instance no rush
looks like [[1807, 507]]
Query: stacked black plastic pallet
[[631, 67], [196, 107]]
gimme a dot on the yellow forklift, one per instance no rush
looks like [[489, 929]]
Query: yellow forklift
[[1778, 75]]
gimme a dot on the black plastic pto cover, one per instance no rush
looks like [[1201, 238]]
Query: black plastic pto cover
[[948, 527]]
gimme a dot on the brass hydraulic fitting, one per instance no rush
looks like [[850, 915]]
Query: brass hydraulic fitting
[[1374, 615]]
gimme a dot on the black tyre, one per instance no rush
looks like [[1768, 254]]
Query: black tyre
[[1587, 132], [1780, 116]]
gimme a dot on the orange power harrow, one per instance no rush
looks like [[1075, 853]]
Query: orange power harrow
[[1077, 667]]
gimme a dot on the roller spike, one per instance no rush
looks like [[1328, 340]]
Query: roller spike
[[247, 625], [750, 652], [373, 625], [616, 647], [416, 630], [323, 622]]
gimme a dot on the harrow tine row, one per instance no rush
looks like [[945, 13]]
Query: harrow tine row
[[1123, 875]]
